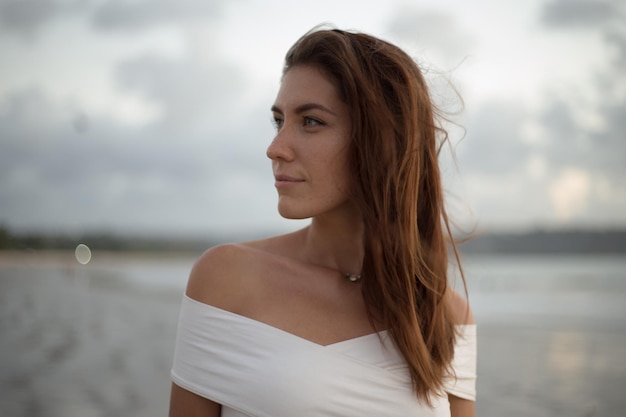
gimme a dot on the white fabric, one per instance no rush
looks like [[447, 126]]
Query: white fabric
[[254, 369]]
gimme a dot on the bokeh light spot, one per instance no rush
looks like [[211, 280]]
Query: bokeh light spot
[[83, 254]]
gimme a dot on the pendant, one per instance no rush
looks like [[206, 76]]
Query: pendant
[[353, 277]]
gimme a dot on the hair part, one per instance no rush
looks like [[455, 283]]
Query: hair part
[[397, 187]]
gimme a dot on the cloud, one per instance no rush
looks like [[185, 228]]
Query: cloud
[[606, 17], [111, 176], [437, 36], [194, 159], [494, 142], [587, 166], [503, 174], [140, 14], [570, 142], [600, 149], [197, 164], [617, 38], [583, 165], [569, 193], [579, 13], [520, 163], [27, 17], [187, 90], [568, 175], [582, 141]]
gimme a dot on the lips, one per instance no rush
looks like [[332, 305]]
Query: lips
[[286, 180]]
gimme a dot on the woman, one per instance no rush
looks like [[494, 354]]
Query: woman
[[352, 315]]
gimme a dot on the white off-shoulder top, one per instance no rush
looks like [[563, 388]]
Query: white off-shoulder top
[[254, 369]]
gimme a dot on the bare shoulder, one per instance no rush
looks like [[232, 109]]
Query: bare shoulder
[[459, 307], [227, 276], [216, 277]]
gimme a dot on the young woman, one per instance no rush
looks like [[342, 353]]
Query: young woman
[[352, 315]]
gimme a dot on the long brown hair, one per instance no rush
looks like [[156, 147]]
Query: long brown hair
[[397, 186]]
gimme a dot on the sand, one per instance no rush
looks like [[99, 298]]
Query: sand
[[552, 368], [89, 344], [74, 346]]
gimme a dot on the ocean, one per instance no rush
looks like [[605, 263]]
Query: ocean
[[97, 339]]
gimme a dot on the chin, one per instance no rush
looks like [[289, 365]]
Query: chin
[[287, 214], [293, 213]]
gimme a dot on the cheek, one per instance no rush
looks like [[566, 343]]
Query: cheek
[[342, 174]]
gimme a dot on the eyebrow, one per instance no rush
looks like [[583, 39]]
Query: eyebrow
[[306, 107]]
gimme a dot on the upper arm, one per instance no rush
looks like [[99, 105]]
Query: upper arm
[[460, 407], [461, 314], [185, 403], [459, 308]]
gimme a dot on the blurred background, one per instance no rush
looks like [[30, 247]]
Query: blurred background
[[133, 137]]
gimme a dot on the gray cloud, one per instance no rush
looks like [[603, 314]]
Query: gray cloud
[[112, 176], [46, 169], [137, 15], [432, 33], [611, 141], [565, 139], [188, 90], [193, 169], [27, 17], [506, 177], [201, 164], [203, 103], [494, 144], [601, 150], [574, 174], [605, 16], [616, 36], [579, 13]]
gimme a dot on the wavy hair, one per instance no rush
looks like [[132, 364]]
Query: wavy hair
[[397, 186]]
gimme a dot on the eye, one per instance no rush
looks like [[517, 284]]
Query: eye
[[277, 122], [312, 122]]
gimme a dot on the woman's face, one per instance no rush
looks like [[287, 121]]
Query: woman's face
[[309, 152]]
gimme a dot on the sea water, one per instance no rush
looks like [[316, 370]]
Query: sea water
[[558, 286]]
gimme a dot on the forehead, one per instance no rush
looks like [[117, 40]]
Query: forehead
[[304, 84]]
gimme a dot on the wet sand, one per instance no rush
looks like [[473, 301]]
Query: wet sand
[[78, 343], [552, 367]]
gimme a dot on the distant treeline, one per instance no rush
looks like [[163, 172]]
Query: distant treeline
[[548, 242], [101, 241], [532, 242]]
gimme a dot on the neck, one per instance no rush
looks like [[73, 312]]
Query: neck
[[336, 242]]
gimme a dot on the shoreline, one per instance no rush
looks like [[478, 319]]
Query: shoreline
[[64, 258]]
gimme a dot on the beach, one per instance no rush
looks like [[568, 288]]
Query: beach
[[97, 339], [79, 341]]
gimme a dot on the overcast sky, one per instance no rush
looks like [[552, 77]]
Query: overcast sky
[[152, 116]]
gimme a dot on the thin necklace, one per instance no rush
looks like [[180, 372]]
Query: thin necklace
[[353, 277]]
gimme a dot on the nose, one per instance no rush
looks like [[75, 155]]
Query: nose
[[280, 148]]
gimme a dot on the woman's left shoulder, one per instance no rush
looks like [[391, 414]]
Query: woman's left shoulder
[[459, 308]]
